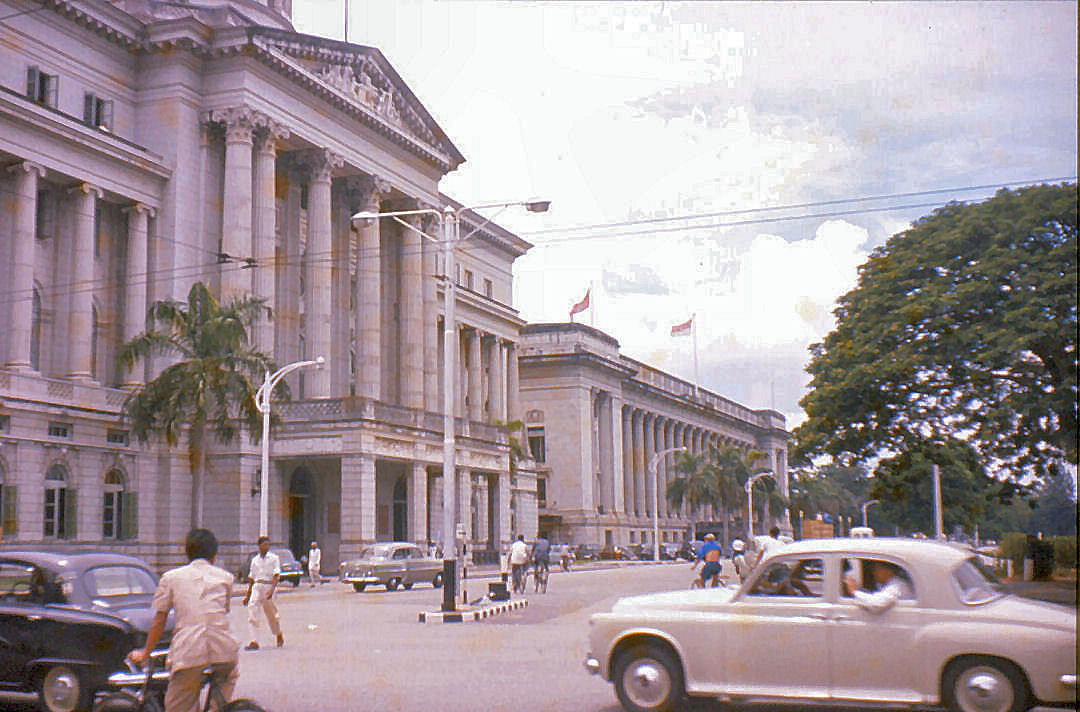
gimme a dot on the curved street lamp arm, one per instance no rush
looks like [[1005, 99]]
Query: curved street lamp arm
[[262, 395]]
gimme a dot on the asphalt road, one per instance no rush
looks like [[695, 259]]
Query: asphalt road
[[359, 652]]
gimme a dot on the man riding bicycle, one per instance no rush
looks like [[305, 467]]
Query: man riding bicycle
[[541, 558], [710, 554], [199, 594]]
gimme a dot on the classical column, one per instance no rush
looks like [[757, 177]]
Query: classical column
[[369, 334], [497, 380], [435, 494], [80, 322], [464, 501], [367, 497], [606, 442], [475, 364], [136, 276], [618, 444], [650, 451], [418, 494], [320, 226], [236, 203], [432, 335], [639, 463], [503, 506], [513, 387], [628, 459], [266, 230], [411, 324], [587, 447], [21, 275]]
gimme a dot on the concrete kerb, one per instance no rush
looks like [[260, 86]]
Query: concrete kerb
[[472, 614]]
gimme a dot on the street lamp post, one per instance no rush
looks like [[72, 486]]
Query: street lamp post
[[449, 221], [262, 403], [865, 507], [656, 497], [750, 503]]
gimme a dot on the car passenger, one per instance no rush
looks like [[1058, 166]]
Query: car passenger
[[710, 554], [199, 593], [889, 583]]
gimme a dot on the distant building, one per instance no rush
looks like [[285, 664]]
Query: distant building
[[595, 418], [147, 145]]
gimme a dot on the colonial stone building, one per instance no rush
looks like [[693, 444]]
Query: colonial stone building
[[596, 418], [148, 145]]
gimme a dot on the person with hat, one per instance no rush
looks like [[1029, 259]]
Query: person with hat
[[314, 562], [742, 566], [710, 554]]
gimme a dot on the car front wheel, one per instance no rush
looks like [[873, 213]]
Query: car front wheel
[[61, 690], [359, 587], [985, 684], [393, 583], [648, 678], [437, 581]]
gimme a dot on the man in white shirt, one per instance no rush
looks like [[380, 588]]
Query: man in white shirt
[[199, 593], [891, 587], [768, 544], [264, 574], [314, 562], [519, 558]]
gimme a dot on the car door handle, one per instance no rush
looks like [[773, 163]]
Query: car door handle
[[819, 616], [842, 618], [33, 618]]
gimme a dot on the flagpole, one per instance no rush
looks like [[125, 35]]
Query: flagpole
[[693, 331]]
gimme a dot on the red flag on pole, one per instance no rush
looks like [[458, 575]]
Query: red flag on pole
[[582, 305], [683, 328]]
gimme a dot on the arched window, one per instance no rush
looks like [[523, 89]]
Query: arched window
[[59, 522], [112, 513], [35, 331]]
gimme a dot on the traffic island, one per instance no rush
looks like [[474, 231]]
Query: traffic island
[[471, 614]]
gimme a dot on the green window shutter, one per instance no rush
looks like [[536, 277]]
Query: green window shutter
[[71, 513], [129, 515], [53, 91], [107, 115], [10, 521], [88, 108]]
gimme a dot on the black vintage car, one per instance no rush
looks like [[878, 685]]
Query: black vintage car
[[68, 620]]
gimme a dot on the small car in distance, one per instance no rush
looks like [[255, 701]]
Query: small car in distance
[[585, 552], [952, 639], [392, 564], [291, 570], [67, 621]]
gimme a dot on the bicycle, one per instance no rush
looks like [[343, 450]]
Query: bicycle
[[540, 576], [149, 700], [520, 575]]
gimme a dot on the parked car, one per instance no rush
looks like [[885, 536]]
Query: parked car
[[669, 551], [584, 552], [68, 620], [956, 641], [392, 564], [619, 553], [291, 569], [689, 549]]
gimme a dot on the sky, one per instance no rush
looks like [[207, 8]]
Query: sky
[[627, 111]]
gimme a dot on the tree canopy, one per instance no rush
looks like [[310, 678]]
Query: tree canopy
[[962, 328]]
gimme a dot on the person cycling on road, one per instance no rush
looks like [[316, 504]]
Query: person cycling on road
[[710, 554], [541, 555], [519, 559]]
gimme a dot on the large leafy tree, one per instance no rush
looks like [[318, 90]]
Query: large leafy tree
[[961, 328], [695, 486], [834, 490], [210, 387]]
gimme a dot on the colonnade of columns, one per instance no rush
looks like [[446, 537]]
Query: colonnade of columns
[[624, 439], [82, 203]]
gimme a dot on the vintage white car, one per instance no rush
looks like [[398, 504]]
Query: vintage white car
[[796, 632]]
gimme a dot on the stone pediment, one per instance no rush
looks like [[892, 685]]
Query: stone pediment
[[364, 77]]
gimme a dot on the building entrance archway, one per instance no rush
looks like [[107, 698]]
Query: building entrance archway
[[301, 511]]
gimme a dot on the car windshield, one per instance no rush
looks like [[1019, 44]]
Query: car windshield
[[379, 551], [104, 582], [285, 556], [975, 582]]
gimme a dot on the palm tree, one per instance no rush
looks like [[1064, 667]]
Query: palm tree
[[733, 467], [212, 384], [696, 487]]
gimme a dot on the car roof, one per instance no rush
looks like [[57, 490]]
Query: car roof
[[74, 560], [913, 550]]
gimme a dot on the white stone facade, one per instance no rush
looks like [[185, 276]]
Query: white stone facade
[[599, 417], [148, 145]]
